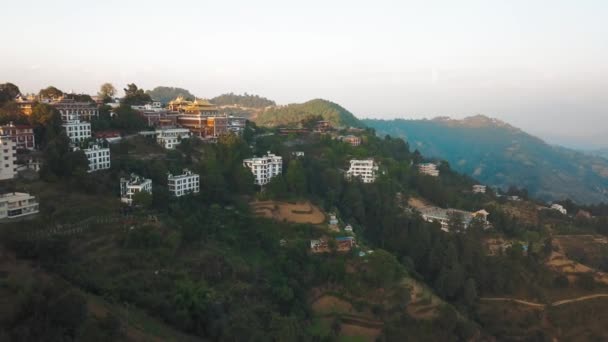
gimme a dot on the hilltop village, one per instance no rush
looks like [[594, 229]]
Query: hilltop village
[[235, 219]]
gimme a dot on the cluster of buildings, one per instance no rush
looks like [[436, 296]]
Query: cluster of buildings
[[200, 117], [353, 140], [343, 244], [479, 189], [178, 185]]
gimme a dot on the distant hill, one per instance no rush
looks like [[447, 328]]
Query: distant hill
[[245, 100], [292, 114], [166, 94], [499, 154]]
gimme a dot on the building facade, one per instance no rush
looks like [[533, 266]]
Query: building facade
[[17, 204], [186, 183], [8, 157], [99, 158], [22, 135], [73, 110], [77, 130], [429, 169], [351, 139], [133, 185], [559, 208], [264, 168], [479, 189], [171, 137], [365, 169]]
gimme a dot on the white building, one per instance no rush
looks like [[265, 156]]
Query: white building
[[365, 169], [559, 208], [133, 185], [183, 184], [171, 137], [298, 154], [17, 204], [99, 158], [77, 131], [429, 169], [442, 216], [265, 167], [8, 157], [479, 189]]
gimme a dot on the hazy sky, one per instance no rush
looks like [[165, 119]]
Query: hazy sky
[[539, 64]]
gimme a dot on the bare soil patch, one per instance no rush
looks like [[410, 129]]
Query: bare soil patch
[[299, 212]]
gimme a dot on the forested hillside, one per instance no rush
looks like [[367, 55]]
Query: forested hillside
[[245, 100], [501, 155], [166, 94], [293, 114]]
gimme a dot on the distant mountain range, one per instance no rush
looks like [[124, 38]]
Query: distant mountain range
[[292, 114], [499, 154]]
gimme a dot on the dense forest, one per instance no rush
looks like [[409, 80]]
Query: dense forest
[[166, 94], [245, 100]]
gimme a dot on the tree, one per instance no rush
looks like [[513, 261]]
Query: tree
[[8, 92], [135, 96], [107, 92], [310, 121], [455, 222], [50, 92], [470, 292], [296, 178], [166, 94], [143, 199], [127, 119]]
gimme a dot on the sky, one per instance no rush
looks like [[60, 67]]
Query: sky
[[539, 65]]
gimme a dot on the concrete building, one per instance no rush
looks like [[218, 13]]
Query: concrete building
[[133, 185], [351, 139], [8, 158], [171, 137], [479, 189], [22, 135], [559, 208], [186, 183], [77, 131], [264, 168], [298, 154], [17, 204], [99, 157], [442, 216], [73, 110], [429, 169], [365, 169]]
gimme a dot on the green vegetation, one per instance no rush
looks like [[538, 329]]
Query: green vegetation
[[135, 96], [245, 100], [498, 154], [293, 114], [166, 94]]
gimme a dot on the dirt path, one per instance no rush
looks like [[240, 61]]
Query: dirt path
[[543, 306]]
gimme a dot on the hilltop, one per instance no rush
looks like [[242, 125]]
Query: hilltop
[[292, 114], [499, 154]]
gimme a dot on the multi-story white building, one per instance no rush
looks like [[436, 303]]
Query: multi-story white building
[[265, 167], [77, 131], [171, 137], [186, 183], [133, 185], [429, 169], [559, 208], [8, 157], [479, 189], [17, 204], [99, 158], [365, 169], [22, 135]]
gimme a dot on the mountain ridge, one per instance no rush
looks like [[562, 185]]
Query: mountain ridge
[[496, 153]]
